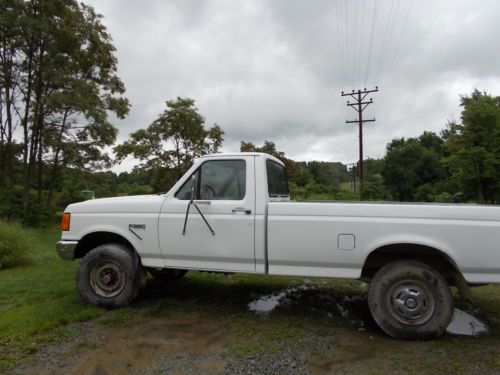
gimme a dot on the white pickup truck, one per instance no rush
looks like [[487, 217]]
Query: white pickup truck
[[232, 213]]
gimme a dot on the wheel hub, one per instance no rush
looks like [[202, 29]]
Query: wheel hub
[[107, 278], [411, 303]]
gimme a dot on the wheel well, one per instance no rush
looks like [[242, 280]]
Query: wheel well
[[92, 240], [425, 254]]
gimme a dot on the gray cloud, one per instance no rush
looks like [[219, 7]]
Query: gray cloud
[[274, 69]]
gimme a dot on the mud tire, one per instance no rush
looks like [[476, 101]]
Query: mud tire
[[116, 263], [409, 300]]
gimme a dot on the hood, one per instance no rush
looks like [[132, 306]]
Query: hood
[[129, 204]]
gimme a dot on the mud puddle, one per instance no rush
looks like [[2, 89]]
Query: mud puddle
[[316, 299], [352, 308], [465, 324], [266, 304]]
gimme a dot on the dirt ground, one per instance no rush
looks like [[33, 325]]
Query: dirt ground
[[237, 327]]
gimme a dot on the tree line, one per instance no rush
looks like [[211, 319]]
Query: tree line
[[59, 92], [461, 164]]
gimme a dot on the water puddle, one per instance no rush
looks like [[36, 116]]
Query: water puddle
[[465, 324], [351, 308], [315, 298], [265, 304]]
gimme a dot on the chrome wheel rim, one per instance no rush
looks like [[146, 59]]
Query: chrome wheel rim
[[107, 278], [411, 302]]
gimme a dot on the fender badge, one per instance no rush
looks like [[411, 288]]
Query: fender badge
[[131, 228]]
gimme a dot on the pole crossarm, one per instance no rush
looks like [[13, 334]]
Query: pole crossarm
[[353, 104], [357, 121], [364, 91]]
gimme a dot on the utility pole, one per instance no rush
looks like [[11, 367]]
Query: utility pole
[[351, 170], [359, 105]]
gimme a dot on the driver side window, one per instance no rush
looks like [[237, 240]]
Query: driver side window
[[217, 180]]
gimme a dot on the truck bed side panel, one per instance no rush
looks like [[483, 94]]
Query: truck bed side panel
[[308, 238]]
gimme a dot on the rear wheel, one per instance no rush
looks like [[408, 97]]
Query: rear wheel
[[167, 274], [410, 300], [109, 276]]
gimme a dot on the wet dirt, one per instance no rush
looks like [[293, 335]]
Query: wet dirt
[[188, 340], [132, 349], [185, 339], [349, 307]]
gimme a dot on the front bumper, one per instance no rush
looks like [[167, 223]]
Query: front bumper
[[66, 249]]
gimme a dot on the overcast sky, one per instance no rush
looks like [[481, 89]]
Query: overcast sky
[[275, 69]]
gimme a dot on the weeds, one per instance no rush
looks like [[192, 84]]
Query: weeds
[[16, 245]]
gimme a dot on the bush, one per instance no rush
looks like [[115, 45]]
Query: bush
[[15, 245]]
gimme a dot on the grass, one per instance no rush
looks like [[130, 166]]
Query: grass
[[39, 303]]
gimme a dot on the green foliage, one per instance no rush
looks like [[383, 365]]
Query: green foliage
[[270, 148], [473, 148], [16, 245], [315, 180], [373, 187], [328, 173], [169, 145], [58, 83], [411, 163]]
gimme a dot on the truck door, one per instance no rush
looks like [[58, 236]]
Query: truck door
[[225, 195]]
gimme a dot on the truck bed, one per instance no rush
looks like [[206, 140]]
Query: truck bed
[[338, 236]]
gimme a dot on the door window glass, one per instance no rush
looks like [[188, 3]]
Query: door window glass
[[217, 180], [277, 183]]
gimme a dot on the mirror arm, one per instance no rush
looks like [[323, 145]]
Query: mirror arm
[[192, 202]]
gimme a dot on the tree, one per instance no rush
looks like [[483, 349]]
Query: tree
[[473, 148], [292, 168], [58, 82], [373, 187], [169, 145], [409, 164]]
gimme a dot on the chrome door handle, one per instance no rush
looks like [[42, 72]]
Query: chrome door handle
[[202, 202], [242, 209]]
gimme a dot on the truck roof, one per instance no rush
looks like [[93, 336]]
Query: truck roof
[[236, 154]]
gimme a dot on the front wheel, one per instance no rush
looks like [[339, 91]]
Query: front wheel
[[410, 300], [109, 276]]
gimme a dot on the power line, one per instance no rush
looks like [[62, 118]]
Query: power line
[[403, 27], [342, 68], [362, 46], [347, 41], [374, 20], [354, 44], [394, 18], [385, 39], [344, 38]]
